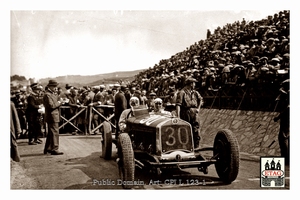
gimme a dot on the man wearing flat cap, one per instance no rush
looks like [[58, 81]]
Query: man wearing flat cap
[[52, 118], [187, 107]]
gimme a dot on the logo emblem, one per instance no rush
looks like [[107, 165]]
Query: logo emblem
[[272, 172], [174, 121]]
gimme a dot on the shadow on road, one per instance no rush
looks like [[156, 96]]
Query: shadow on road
[[98, 170]]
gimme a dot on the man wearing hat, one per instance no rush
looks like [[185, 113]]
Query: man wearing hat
[[34, 115], [68, 90], [187, 107], [52, 118]]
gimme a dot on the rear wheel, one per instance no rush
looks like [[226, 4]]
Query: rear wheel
[[107, 141], [226, 151], [126, 160]]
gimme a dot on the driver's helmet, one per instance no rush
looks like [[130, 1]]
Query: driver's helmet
[[158, 100], [134, 102], [157, 103]]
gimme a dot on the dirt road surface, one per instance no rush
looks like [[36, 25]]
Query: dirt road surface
[[72, 170], [82, 167]]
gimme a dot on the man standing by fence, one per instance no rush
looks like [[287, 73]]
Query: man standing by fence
[[34, 117], [52, 118], [120, 106]]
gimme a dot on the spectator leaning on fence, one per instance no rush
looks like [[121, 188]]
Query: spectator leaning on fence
[[74, 104], [97, 101]]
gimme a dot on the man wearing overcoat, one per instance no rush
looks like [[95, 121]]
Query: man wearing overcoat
[[120, 106], [52, 118]]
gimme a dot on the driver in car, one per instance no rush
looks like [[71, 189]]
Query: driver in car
[[134, 102], [158, 108]]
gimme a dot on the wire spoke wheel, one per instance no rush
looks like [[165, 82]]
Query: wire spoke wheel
[[226, 151]]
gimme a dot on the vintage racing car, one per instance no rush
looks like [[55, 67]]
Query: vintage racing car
[[159, 142]]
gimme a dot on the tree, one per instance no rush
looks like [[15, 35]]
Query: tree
[[17, 78]]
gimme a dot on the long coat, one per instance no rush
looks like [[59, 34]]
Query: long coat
[[51, 107], [120, 104], [32, 113], [15, 129]]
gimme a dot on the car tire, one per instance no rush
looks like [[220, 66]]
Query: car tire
[[126, 161], [226, 151], [107, 141]]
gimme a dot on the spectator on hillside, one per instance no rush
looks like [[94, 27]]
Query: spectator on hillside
[[232, 44]]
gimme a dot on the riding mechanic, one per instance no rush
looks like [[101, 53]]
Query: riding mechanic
[[188, 105]]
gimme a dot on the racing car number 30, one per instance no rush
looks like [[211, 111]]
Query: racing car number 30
[[178, 137], [181, 136]]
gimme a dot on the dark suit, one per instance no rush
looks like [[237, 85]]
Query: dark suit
[[15, 129], [34, 118], [120, 106], [52, 118]]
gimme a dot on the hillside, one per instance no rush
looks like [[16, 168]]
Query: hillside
[[79, 80]]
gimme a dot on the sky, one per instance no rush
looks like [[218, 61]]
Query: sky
[[50, 43]]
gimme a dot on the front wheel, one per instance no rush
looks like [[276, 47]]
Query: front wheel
[[226, 151], [107, 141], [126, 161]]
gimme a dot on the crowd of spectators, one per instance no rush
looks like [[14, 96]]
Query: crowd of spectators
[[74, 99], [243, 53]]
